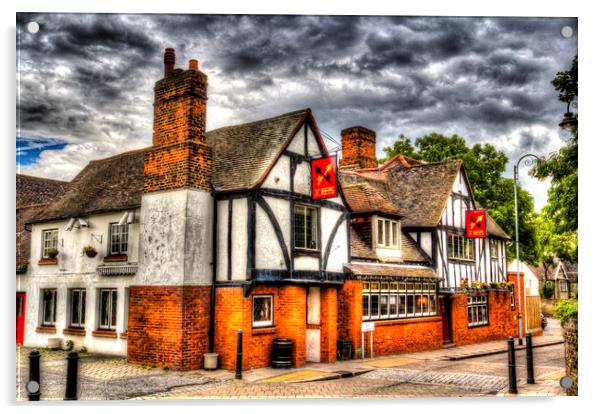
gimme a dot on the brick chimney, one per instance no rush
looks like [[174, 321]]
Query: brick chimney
[[359, 147], [179, 157]]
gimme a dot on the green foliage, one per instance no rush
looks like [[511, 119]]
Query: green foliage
[[484, 166], [566, 309], [69, 345], [83, 349], [566, 83], [546, 289], [553, 244]]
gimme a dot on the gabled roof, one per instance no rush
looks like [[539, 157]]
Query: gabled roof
[[243, 154], [109, 184], [32, 195], [570, 271]]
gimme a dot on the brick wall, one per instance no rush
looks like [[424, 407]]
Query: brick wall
[[168, 325], [179, 157], [349, 318], [234, 312], [503, 320], [513, 278], [328, 324], [359, 147]]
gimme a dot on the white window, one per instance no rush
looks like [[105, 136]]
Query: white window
[[459, 247], [387, 233], [107, 314], [263, 311], [306, 227], [50, 242], [563, 286], [48, 307], [118, 236], [494, 249], [78, 308], [395, 300], [478, 310]]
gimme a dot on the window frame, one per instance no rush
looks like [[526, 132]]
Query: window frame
[[563, 285], [54, 243], [478, 308], [406, 293], [262, 324], [124, 232], [81, 308], [387, 233], [113, 302], [53, 299], [314, 231], [468, 247]]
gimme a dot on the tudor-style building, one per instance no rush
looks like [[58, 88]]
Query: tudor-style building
[[208, 232]]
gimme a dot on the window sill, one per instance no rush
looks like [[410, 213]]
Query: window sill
[[313, 326], [46, 329], [105, 334], [268, 330], [482, 325], [116, 258], [458, 260], [124, 335], [46, 262], [420, 319], [306, 252], [74, 331]]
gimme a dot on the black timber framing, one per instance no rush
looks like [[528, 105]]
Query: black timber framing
[[283, 194], [229, 275], [276, 226], [298, 276]]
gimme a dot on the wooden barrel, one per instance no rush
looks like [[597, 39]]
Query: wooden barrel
[[282, 353]]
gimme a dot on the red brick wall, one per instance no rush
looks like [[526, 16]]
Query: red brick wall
[[328, 324], [359, 147], [233, 312], [349, 318], [512, 278], [502, 319], [179, 157], [168, 325]]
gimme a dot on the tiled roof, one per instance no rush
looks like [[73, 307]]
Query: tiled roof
[[380, 270], [243, 153], [365, 198], [32, 195], [110, 184], [410, 251]]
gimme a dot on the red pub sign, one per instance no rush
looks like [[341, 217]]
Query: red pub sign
[[323, 178], [476, 224]]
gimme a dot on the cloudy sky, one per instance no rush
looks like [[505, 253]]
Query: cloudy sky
[[86, 81]]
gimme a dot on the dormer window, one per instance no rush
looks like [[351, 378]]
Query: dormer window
[[387, 233], [118, 237]]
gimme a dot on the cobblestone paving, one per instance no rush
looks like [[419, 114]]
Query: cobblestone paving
[[468, 381]]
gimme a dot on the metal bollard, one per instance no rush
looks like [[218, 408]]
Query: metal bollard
[[511, 367], [72, 363], [33, 386], [239, 355], [530, 376]]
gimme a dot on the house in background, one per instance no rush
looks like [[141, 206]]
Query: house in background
[[563, 275], [33, 195], [531, 280]]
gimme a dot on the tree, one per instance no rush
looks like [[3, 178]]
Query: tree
[[561, 167], [484, 166], [403, 145]]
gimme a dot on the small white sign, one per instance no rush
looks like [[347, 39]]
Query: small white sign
[[367, 326]]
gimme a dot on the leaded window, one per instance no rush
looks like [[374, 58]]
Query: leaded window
[[395, 300], [478, 310], [118, 236], [263, 311], [459, 247], [306, 227]]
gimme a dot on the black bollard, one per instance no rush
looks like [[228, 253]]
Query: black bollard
[[239, 355], [530, 377], [71, 390], [33, 386], [511, 367]]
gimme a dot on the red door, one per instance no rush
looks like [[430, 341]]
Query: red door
[[20, 317], [446, 319]]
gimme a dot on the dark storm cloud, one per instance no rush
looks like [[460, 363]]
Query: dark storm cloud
[[87, 79]]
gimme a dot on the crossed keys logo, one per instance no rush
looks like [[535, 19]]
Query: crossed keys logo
[[476, 224], [323, 175], [324, 178]]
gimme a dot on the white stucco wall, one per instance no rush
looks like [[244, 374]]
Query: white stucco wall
[[75, 270], [239, 239], [426, 243], [279, 176], [176, 238], [222, 240], [268, 254], [338, 251]]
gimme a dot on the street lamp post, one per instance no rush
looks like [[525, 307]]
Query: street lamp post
[[529, 161]]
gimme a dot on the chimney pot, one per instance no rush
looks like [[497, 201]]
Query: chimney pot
[[193, 64], [169, 59]]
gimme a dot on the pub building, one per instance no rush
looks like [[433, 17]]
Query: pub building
[[163, 254]]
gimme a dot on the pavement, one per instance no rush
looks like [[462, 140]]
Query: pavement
[[470, 370]]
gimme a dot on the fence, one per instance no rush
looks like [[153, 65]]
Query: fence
[[533, 312]]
